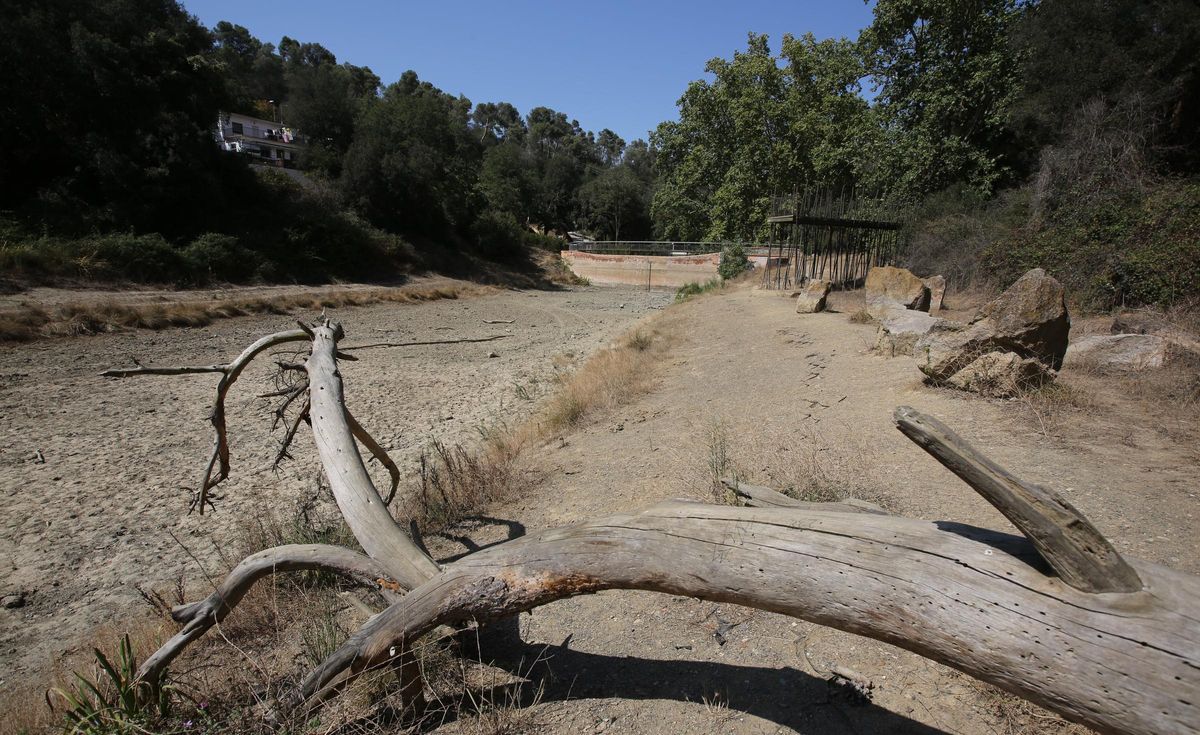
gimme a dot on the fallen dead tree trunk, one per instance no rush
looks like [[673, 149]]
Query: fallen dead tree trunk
[[977, 600], [1059, 618]]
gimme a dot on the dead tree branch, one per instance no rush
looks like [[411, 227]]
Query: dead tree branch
[[964, 596], [756, 496], [429, 342], [198, 617], [362, 507], [379, 453], [219, 458], [1065, 538]]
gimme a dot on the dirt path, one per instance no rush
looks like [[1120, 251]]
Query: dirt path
[[800, 403], [91, 468]]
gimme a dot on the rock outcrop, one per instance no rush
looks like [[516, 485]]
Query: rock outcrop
[[901, 329], [811, 298], [937, 292], [1030, 319], [888, 288], [1016, 341], [1001, 374], [1126, 352]]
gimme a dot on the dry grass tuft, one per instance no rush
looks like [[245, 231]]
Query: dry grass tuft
[[612, 377], [454, 481], [802, 462], [27, 708], [71, 319], [1050, 403]]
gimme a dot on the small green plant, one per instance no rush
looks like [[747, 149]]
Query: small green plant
[[113, 699], [733, 261], [688, 290]]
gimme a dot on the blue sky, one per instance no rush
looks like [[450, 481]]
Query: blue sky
[[619, 65]]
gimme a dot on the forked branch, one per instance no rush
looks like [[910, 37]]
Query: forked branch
[[216, 470], [198, 617]]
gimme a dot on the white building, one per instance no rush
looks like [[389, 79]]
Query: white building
[[269, 143]]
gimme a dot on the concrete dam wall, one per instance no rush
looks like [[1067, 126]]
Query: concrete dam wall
[[666, 271], [670, 271]]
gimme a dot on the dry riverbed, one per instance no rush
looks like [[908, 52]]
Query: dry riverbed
[[92, 469]]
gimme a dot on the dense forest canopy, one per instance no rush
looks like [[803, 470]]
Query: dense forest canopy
[[1046, 124]]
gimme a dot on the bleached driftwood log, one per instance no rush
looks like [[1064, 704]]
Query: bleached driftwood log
[[1059, 618], [977, 600]]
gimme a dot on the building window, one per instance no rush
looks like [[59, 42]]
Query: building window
[[237, 127]]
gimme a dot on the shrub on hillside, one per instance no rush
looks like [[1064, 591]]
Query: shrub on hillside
[[215, 257], [733, 261], [950, 231], [498, 236], [1126, 250]]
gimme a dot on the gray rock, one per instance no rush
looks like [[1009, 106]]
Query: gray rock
[[901, 329], [1029, 319], [1134, 322], [1128, 352], [13, 600], [887, 287], [1001, 374], [811, 298], [937, 291]]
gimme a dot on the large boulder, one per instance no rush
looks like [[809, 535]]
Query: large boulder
[[1029, 319], [811, 298], [900, 329], [937, 292], [1128, 352], [1001, 374], [887, 287]]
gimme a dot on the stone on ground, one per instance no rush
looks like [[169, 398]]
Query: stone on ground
[[1129, 352], [887, 287], [900, 329], [1001, 374], [937, 291], [1029, 319], [811, 298]]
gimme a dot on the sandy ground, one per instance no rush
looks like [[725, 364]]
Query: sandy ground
[[798, 398], [91, 468]]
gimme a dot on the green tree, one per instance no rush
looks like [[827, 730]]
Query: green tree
[[507, 180], [413, 162], [765, 125], [252, 69], [107, 115], [498, 122], [611, 200], [611, 146], [1135, 57], [947, 75]]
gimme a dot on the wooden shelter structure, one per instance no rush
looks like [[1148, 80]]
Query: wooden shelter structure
[[832, 236]]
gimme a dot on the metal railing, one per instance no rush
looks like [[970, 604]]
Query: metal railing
[[660, 247]]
